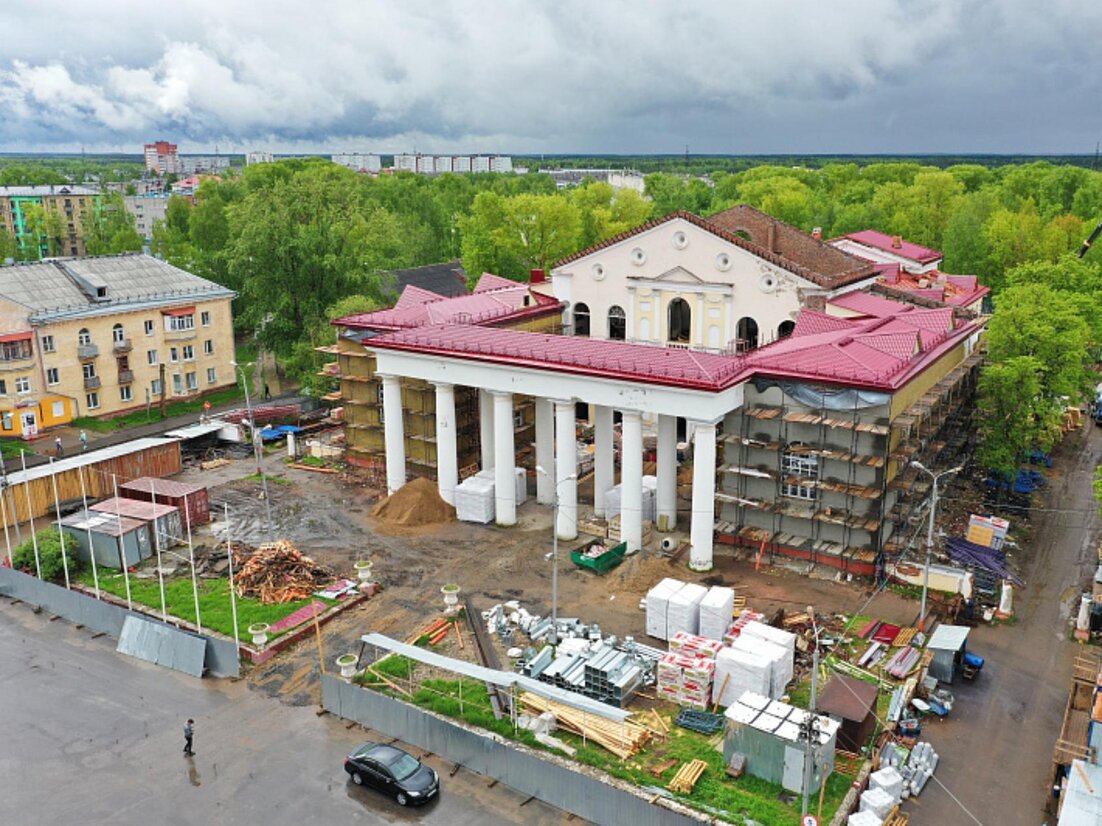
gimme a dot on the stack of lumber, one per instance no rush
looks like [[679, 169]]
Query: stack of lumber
[[686, 776], [277, 572], [622, 739]]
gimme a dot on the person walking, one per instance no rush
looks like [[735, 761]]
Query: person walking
[[58, 448], [189, 733], [83, 441], [267, 392]]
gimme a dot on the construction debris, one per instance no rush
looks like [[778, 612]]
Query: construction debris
[[277, 572]]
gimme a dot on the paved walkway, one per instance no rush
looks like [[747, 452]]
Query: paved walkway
[[996, 745]]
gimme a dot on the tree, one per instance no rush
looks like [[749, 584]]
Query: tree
[[509, 236], [1036, 320], [304, 361], [1016, 416], [1078, 278], [50, 558], [110, 228]]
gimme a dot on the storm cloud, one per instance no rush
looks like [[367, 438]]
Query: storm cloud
[[570, 76]]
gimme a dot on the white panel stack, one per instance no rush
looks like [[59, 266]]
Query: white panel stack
[[612, 500], [683, 612], [776, 636], [650, 498], [474, 500], [738, 672], [889, 781], [649, 506], [863, 819], [657, 603], [780, 661], [522, 485], [878, 802], [715, 612]]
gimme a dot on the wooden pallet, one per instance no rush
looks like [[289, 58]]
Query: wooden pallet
[[904, 636], [686, 776], [739, 606], [897, 818]]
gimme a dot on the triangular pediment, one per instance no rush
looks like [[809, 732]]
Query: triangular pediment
[[678, 275]]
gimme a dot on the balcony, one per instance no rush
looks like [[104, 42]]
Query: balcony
[[126, 376], [91, 383], [87, 351], [122, 346], [180, 335]]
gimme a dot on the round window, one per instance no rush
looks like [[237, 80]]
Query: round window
[[723, 262], [599, 272], [768, 283], [680, 240], [638, 257]]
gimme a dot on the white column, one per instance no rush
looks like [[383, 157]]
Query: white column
[[631, 481], [505, 483], [666, 496], [545, 451], [603, 470], [447, 458], [704, 497], [394, 433], [566, 466], [486, 427]]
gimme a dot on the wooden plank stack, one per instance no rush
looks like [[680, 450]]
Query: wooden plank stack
[[686, 776], [277, 572], [622, 739]]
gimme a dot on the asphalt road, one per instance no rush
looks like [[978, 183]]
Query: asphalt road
[[88, 735], [996, 745]]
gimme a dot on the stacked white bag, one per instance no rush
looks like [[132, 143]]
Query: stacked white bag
[[877, 801], [683, 611], [771, 639], [474, 500], [715, 612], [863, 819], [740, 671], [657, 604], [889, 781]]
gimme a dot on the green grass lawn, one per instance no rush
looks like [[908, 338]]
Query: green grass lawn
[[10, 448], [716, 792], [214, 601], [140, 417]]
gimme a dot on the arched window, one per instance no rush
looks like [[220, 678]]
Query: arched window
[[617, 323], [117, 334], [785, 329], [747, 334], [84, 337], [581, 319], [679, 321]]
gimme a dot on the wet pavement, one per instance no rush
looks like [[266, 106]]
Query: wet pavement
[[996, 746], [93, 736]]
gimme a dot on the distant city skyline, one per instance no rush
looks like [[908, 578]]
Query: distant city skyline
[[852, 77]]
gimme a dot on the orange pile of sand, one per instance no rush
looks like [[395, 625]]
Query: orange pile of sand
[[415, 503]]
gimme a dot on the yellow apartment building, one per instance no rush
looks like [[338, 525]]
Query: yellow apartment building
[[105, 335], [65, 209]]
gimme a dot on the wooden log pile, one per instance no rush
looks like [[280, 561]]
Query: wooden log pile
[[686, 776], [622, 739], [278, 572]]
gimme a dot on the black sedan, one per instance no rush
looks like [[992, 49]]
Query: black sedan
[[393, 772]]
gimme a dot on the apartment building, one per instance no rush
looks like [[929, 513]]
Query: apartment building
[[258, 156], [161, 158], [147, 211], [47, 220], [104, 335], [359, 161]]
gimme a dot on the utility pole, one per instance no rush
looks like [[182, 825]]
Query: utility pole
[[809, 734], [930, 534]]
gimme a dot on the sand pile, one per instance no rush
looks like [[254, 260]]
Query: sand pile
[[415, 503]]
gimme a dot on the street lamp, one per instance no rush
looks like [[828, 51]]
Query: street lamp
[[256, 445], [930, 533], [555, 554]]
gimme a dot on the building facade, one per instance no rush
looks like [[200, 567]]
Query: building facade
[[147, 211], [257, 156], [161, 158], [47, 220], [104, 335], [359, 161]]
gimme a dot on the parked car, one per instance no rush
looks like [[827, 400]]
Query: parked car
[[394, 772]]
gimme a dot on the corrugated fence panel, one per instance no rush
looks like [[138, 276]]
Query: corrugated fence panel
[[220, 660], [524, 771]]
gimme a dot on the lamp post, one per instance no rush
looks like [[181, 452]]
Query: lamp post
[[555, 555], [256, 445], [930, 533]]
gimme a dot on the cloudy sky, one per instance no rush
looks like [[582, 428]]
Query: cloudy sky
[[611, 76]]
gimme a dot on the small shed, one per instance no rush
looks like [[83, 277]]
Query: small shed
[[190, 498], [170, 528], [767, 732], [108, 537], [948, 644], [852, 703]]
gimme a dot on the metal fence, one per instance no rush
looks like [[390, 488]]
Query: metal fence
[[549, 781], [220, 659]]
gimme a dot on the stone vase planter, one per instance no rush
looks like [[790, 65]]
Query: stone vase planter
[[347, 664], [259, 633]]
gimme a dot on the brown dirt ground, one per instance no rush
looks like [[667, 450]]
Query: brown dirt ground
[[492, 565]]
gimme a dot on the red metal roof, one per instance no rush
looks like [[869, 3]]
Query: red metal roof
[[179, 311], [133, 508], [883, 352], [868, 304], [887, 243], [168, 488]]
